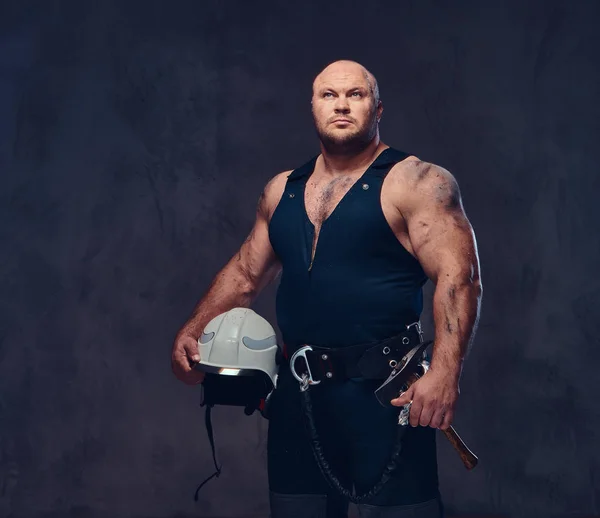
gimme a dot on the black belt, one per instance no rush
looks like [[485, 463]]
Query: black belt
[[373, 360]]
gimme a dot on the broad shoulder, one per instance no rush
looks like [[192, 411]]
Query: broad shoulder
[[272, 193], [414, 182]]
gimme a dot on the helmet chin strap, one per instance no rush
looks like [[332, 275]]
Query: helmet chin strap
[[209, 430], [251, 393]]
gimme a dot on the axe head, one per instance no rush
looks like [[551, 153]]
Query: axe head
[[394, 384]]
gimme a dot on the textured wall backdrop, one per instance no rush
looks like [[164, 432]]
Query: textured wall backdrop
[[135, 138]]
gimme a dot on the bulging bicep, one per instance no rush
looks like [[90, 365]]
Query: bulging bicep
[[256, 257], [440, 233]]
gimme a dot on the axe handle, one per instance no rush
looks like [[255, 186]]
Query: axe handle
[[467, 456]]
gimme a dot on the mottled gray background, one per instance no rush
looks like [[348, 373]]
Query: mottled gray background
[[135, 138]]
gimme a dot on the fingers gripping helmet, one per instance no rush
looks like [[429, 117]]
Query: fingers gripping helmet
[[239, 353]]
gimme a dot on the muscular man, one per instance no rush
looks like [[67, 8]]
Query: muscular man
[[355, 233]]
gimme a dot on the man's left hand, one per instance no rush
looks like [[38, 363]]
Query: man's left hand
[[433, 397]]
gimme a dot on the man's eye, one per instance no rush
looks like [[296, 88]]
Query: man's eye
[[328, 94], [357, 94]]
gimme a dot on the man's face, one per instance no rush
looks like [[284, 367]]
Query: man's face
[[344, 109]]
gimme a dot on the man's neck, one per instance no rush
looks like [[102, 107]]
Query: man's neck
[[334, 164]]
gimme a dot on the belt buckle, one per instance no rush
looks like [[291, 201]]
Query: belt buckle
[[417, 325], [306, 379]]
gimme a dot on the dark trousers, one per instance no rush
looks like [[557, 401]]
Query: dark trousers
[[323, 506], [357, 435]]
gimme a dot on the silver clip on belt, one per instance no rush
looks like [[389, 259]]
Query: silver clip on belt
[[306, 379]]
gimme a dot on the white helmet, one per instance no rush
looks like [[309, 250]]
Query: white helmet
[[238, 351], [239, 343]]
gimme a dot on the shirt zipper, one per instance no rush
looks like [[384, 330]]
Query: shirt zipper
[[313, 253]]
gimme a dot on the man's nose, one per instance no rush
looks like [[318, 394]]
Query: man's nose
[[341, 105]]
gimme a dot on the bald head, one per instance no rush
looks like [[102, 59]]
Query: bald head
[[346, 107], [348, 67]]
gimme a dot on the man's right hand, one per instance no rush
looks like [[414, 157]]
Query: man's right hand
[[184, 356]]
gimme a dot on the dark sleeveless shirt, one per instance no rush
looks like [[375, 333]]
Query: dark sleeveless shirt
[[363, 285]]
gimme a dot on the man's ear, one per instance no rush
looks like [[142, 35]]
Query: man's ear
[[379, 110]]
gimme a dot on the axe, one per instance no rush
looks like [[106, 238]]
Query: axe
[[410, 369]]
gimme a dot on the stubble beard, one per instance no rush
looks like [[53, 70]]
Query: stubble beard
[[348, 144]]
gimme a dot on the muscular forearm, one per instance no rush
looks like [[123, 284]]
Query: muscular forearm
[[230, 289], [456, 306]]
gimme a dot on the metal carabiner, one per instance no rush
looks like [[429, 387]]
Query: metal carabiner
[[416, 324], [306, 379]]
